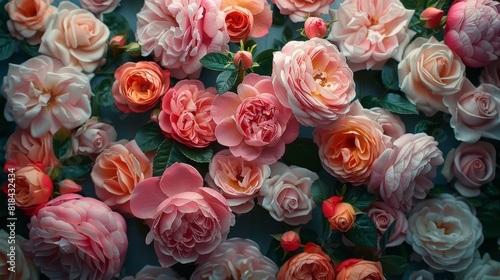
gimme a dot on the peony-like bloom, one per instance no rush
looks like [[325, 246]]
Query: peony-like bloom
[[475, 112], [76, 37], [313, 79], [491, 74], [186, 219], [28, 18], [247, 18], [253, 123], [99, 7], [473, 31], [179, 33], [238, 180], [44, 95], [290, 241], [369, 33], [311, 264], [76, 237], [149, 272], [92, 137], [445, 232], [16, 259], [340, 215], [473, 165], [481, 269], [429, 71], [236, 258], [117, 171], [402, 174], [383, 216], [185, 114], [300, 10], [315, 27], [359, 269], [287, 194]]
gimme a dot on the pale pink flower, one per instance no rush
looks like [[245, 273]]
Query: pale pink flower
[[383, 216], [313, 79], [75, 237], [179, 33], [300, 10], [247, 18], [149, 272], [238, 180], [473, 31], [403, 174], [185, 114], [253, 123], [491, 74], [92, 137], [99, 7], [28, 18], [44, 95], [481, 268], [186, 219], [25, 269]]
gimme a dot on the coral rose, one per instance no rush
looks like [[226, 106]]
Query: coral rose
[[340, 215], [139, 86], [75, 237], [311, 264], [186, 219], [185, 114], [383, 216], [28, 18], [247, 18], [100, 7], [76, 37], [149, 272], [369, 33], [13, 257], [92, 137], [359, 269], [313, 79], [117, 171], [483, 268], [300, 10], [238, 180], [253, 123], [44, 95]]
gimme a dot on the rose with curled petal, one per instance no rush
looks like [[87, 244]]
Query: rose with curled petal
[[483, 268], [473, 31], [300, 10], [149, 272], [186, 220], [24, 268], [44, 95], [92, 137], [391, 123], [100, 7], [491, 74], [383, 216], [313, 80], [76, 237], [311, 264], [28, 18], [359, 269], [247, 18]]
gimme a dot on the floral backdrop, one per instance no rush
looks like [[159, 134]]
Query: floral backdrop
[[247, 139]]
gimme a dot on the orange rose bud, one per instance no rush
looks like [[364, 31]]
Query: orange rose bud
[[117, 41], [290, 241], [244, 58], [432, 17], [341, 215], [315, 27]]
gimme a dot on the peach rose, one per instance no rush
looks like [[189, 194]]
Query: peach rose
[[28, 18], [359, 269], [116, 172], [100, 7], [300, 10], [383, 216], [311, 264], [340, 215], [76, 37], [92, 137], [246, 18], [12, 255]]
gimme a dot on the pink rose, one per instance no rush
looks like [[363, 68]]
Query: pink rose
[[28, 18], [473, 31], [186, 219], [287, 194], [383, 216], [236, 258], [253, 123], [185, 114], [491, 74], [392, 124], [238, 180], [402, 174], [44, 95], [368, 33], [100, 7], [69, 231], [299, 10], [429, 71], [117, 171], [24, 267], [243, 60], [475, 112], [149, 272], [313, 79], [76, 37], [92, 137], [179, 34], [473, 165], [315, 27]]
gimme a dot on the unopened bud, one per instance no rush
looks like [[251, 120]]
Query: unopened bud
[[117, 41], [290, 241], [134, 49], [432, 17], [243, 57], [315, 27], [69, 186]]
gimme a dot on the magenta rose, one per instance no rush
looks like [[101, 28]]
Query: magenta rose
[[100, 7], [186, 219], [300, 10], [92, 137], [76, 237], [253, 123], [383, 216]]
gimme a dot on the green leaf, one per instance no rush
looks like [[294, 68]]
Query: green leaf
[[304, 153], [4, 17], [488, 215], [166, 155], [308, 235], [278, 18], [102, 93], [276, 253], [149, 137], [363, 233], [61, 142], [117, 24], [359, 197], [369, 101], [31, 50], [75, 167], [200, 155], [387, 234], [491, 190], [217, 62], [7, 46], [287, 34], [395, 103], [319, 192], [439, 189], [265, 61], [394, 265], [424, 126], [390, 75], [226, 80]]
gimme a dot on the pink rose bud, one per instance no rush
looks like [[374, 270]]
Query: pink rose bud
[[290, 241], [117, 41], [432, 17], [243, 57], [134, 49], [154, 115], [315, 27], [69, 186]]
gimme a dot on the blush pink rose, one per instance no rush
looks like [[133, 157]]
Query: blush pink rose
[[44, 95], [286, 194], [185, 114], [179, 33], [100, 7], [75, 237], [253, 123], [491, 74], [92, 137], [369, 33], [473, 31], [247, 18], [403, 174], [473, 165], [315, 27], [313, 79], [25, 269], [76, 37], [149, 272], [186, 219], [238, 180], [392, 124], [117, 171], [28, 18], [383, 216], [300, 10]]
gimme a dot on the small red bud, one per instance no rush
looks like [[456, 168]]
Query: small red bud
[[432, 17], [290, 241]]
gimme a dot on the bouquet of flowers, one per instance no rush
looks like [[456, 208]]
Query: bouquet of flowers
[[247, 139]]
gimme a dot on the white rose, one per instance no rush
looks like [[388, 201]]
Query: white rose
[[481, 269]]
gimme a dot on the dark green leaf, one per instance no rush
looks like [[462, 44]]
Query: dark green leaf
[[319, 192], [304, 153], [369, 101], [387, 234], [31, 50], [439, 189], [265, 61], [4, 17], [488, 215], [287, 34], [308, 235], [117, 24], [395, 103], [141, 226], [394, 265], [276, 253], [277, 44], [278, 18], [61, 143], [7, 46], [102, 93], [166, 155], [217, 62], [359, 197], [225, 80], [363, 233], [149, 137], [424, 126], [491, 190], [75, 167], [249, 45], [200, 155], [390, 75]]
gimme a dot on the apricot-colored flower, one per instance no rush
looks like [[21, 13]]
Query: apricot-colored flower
[[359, 269], [311, 264], [28, 18], [247, 18], [340, 215]]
